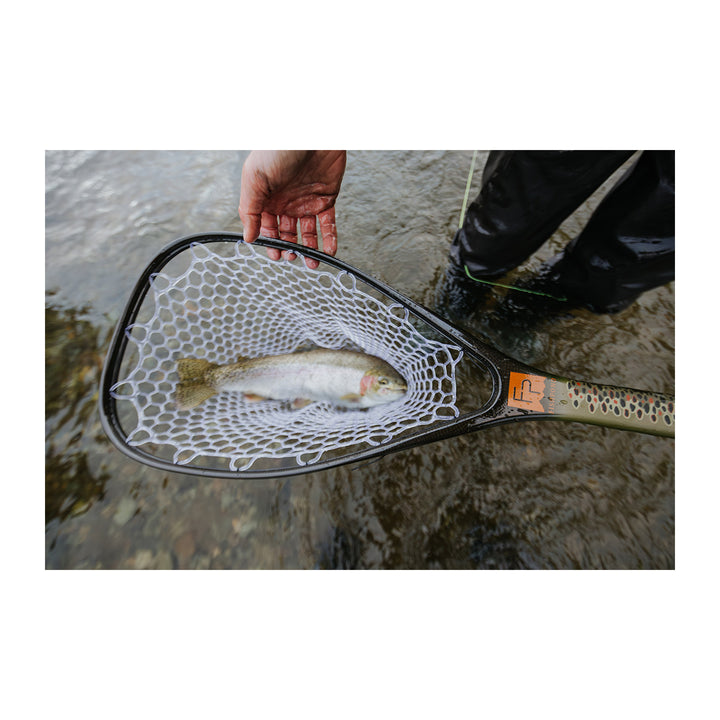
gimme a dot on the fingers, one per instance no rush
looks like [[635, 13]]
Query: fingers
[[285, 228], [269, 229], [328, 228], [288, 232], [288, 228], [308, 229]]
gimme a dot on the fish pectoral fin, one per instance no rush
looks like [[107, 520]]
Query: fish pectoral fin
[[351, 397], [252, 397], [300, 403], [189, 394]]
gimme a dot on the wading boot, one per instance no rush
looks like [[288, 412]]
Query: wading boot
[[458, 296]]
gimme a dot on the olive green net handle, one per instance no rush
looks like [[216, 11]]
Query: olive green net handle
[[607, 405]]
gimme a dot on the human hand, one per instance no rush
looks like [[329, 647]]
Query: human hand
[[280, 188]]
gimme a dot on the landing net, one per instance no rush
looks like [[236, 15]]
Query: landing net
[[222, 306]]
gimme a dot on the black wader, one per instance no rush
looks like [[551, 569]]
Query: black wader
[[626, 248]]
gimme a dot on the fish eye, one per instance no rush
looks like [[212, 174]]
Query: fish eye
[[382, 381]]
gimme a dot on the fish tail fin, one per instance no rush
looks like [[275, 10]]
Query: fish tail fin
[[194, 386], [193, 369]]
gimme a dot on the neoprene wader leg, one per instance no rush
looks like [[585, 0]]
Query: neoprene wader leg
[[526, 195], [628, 245]]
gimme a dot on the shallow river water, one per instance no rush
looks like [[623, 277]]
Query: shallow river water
[[524, 495]]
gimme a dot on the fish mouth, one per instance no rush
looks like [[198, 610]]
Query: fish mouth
[[396, 392], [387, 395]]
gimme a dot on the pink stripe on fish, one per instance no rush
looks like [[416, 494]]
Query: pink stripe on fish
[[366, 383]]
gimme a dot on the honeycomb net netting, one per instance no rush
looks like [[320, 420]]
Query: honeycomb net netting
[[224, 306]]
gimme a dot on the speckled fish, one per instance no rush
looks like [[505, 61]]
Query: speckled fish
[[342, 377]]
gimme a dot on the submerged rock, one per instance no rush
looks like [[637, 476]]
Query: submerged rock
[[125, 510]]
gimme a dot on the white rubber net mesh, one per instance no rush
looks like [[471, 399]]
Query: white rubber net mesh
[[222, 306]]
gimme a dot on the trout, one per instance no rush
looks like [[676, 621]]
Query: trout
[[343, 378]]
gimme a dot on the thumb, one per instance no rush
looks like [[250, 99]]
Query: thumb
[[251, 225]]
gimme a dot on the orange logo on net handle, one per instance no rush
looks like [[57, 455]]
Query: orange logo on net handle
[[526, 391]]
